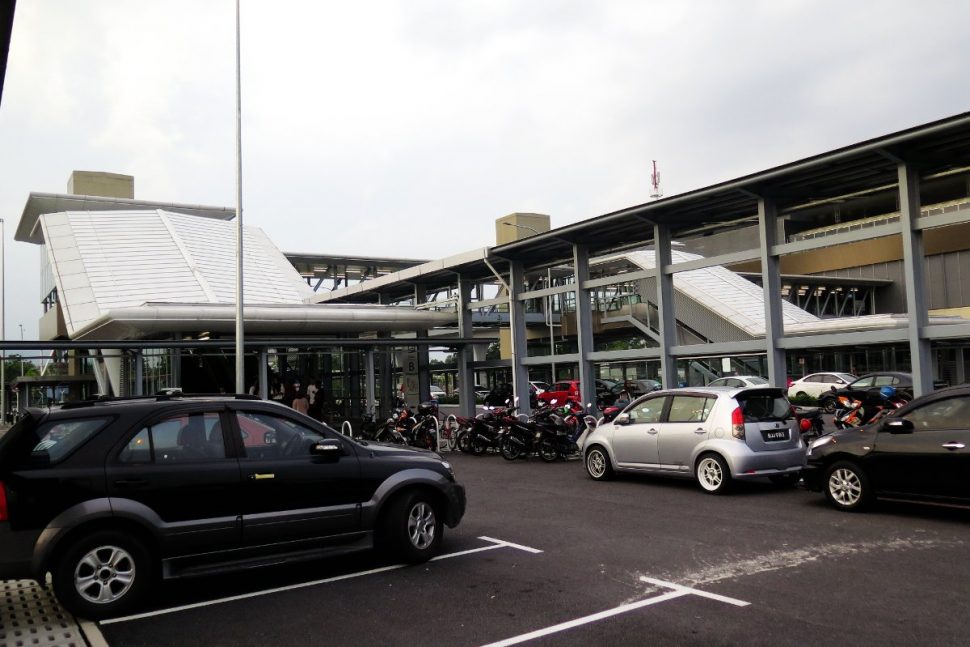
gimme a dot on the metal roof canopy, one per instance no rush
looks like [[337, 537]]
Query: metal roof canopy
[[251, 343], [39, 204], [933, 148]]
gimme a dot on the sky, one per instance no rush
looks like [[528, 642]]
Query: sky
[[405, 128]]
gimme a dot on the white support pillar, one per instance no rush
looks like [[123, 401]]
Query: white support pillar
[[914, 273], [667, 321], [584, 324], [520, 374], [771, 287]]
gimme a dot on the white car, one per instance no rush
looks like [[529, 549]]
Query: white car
[[816, 384], [437, 392], [740, 381]]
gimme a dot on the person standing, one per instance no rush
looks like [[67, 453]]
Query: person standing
[[312, 390], [301, 403]]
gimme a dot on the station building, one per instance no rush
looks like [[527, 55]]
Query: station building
[[857, 260]]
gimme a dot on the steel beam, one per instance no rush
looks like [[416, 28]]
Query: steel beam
[[465, 354], [520, 374], [665, 306], [914, 277], [768, 224], [584, 324]]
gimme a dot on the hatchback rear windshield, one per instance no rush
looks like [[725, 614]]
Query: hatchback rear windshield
[[763, 404]]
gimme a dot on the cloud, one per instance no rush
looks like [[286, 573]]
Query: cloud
[[404, 129]]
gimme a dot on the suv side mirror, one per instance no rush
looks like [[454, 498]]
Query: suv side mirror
[[898, 426], [328, 448], [622, 419]]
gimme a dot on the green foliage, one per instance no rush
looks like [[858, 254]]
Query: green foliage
[[804, 401]]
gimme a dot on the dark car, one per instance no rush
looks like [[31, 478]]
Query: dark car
[[920, 452], [111, 495]]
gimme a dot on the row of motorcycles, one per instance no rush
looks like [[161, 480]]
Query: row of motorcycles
[[557, 431], [552, 432]]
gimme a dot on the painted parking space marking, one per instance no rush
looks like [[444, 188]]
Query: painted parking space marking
[[677, 591], [492, 545]]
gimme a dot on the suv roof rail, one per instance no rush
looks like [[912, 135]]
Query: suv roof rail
[[158, 397]]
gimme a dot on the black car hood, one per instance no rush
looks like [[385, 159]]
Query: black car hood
[[391, 449]]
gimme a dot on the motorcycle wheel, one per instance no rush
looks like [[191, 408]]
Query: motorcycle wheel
[[548, 451], [464, 441], [509, 450], [479, 445]]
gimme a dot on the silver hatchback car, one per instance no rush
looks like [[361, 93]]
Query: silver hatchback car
[[713, 434]]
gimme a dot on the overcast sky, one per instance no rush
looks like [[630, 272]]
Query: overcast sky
[[406, 128]]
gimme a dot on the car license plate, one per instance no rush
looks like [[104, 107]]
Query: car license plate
[[775, 434]]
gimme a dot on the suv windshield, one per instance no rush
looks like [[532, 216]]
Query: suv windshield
[[760, 405]]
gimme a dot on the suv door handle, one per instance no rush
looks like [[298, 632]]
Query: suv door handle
[[131, 482], [262, 477], [651, 431], [953, 445]]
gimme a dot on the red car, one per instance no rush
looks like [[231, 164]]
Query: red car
[[562, 391]]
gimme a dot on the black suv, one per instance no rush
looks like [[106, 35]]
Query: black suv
[[110, 495]]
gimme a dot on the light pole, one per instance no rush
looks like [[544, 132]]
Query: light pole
[[240, 344], [21, 351]]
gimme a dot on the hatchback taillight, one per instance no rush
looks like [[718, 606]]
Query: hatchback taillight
[[3, 502], [737, 423]]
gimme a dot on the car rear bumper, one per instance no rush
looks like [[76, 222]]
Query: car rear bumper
[[16, 553], [769, 463]]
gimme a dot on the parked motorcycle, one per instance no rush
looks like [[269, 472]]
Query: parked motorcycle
[[562, 429], [810, 423], [877, 404]]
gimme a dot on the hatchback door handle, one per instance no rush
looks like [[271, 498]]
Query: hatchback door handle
[[954, 445], [700, 431], [651, 431]]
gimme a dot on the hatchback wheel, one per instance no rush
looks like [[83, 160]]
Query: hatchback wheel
[[828, 405], [103, 574], [598, 464], [411, 528], [847, 486], [713, 474]]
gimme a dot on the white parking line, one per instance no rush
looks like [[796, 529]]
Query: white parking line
[[494, 543], [677, 592]]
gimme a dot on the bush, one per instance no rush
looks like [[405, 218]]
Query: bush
[[804, 401]]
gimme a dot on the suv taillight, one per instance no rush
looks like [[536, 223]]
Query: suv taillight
[[737, 423], [3, 502]]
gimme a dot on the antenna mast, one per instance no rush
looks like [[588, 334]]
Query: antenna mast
[[655, 182]]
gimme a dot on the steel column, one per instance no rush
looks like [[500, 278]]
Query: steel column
[[768, 225], [424, 362], [463, 355], [584, 324], [139, 373], [520, 373], [914, 276], [263, 373], [370, 382], [666, 319]]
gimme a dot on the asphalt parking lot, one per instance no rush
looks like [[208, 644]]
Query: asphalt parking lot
[[545, 556]]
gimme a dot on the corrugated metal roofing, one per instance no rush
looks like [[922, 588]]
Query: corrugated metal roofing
[[116, 259]]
